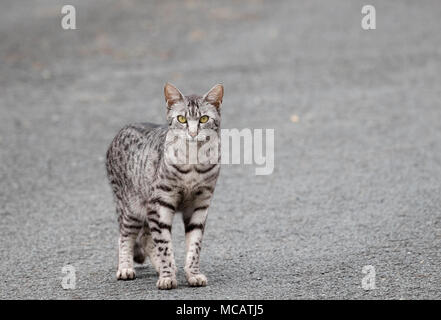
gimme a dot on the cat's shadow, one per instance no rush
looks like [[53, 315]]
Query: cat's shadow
[[145, 271]]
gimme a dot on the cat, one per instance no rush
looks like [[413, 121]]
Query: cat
[[150, 185]]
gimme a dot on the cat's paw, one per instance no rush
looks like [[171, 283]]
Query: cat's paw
[[125, 274], [197, 280], [167, 283]]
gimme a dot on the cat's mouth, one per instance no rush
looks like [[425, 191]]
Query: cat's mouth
[[199, 137]]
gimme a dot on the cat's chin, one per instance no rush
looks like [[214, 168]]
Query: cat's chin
[[195, 139]]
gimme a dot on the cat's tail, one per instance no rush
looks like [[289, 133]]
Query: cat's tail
[[139, 252]]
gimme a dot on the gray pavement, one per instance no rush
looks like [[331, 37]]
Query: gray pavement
[[356, 179]]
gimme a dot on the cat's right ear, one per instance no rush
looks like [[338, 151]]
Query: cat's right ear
[[172, 94]]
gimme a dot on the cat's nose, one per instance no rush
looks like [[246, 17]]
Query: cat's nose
[[193, 134]]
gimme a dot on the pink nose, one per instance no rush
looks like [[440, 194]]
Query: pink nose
[[193, 134]]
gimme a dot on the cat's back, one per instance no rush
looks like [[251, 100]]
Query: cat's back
[[139, 134], [133, 147]]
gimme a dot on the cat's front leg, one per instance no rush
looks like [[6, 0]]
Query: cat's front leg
[[194, 222], [160, 222]]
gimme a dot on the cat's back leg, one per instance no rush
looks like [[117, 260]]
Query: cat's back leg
[[130, 226], [144, 247]]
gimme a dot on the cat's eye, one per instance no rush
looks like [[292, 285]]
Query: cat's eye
[[182, 119], [203, 119]]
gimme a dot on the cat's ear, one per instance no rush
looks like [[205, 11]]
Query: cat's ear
[[215, 95], [172, 94]]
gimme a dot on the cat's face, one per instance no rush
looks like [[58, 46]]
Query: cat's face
[[193, 114]]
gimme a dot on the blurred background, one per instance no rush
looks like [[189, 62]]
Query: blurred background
[[357, 144]]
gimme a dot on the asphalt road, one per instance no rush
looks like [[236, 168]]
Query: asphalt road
[[357, 170]]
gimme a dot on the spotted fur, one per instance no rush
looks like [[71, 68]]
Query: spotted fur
[[149, 188]]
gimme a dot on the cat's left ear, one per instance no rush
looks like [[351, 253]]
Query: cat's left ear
[[215, 95]]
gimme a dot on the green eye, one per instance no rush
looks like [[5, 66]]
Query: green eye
[[182, 119], [203, 119]]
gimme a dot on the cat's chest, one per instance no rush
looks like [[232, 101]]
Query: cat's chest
[[191, 177], [192, 174]]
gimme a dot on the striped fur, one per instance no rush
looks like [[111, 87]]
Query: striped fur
[[149, 188]]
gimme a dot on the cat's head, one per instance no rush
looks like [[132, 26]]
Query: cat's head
[[193, 114]]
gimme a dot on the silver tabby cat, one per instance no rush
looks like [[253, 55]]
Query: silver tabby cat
[[150, 186]]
